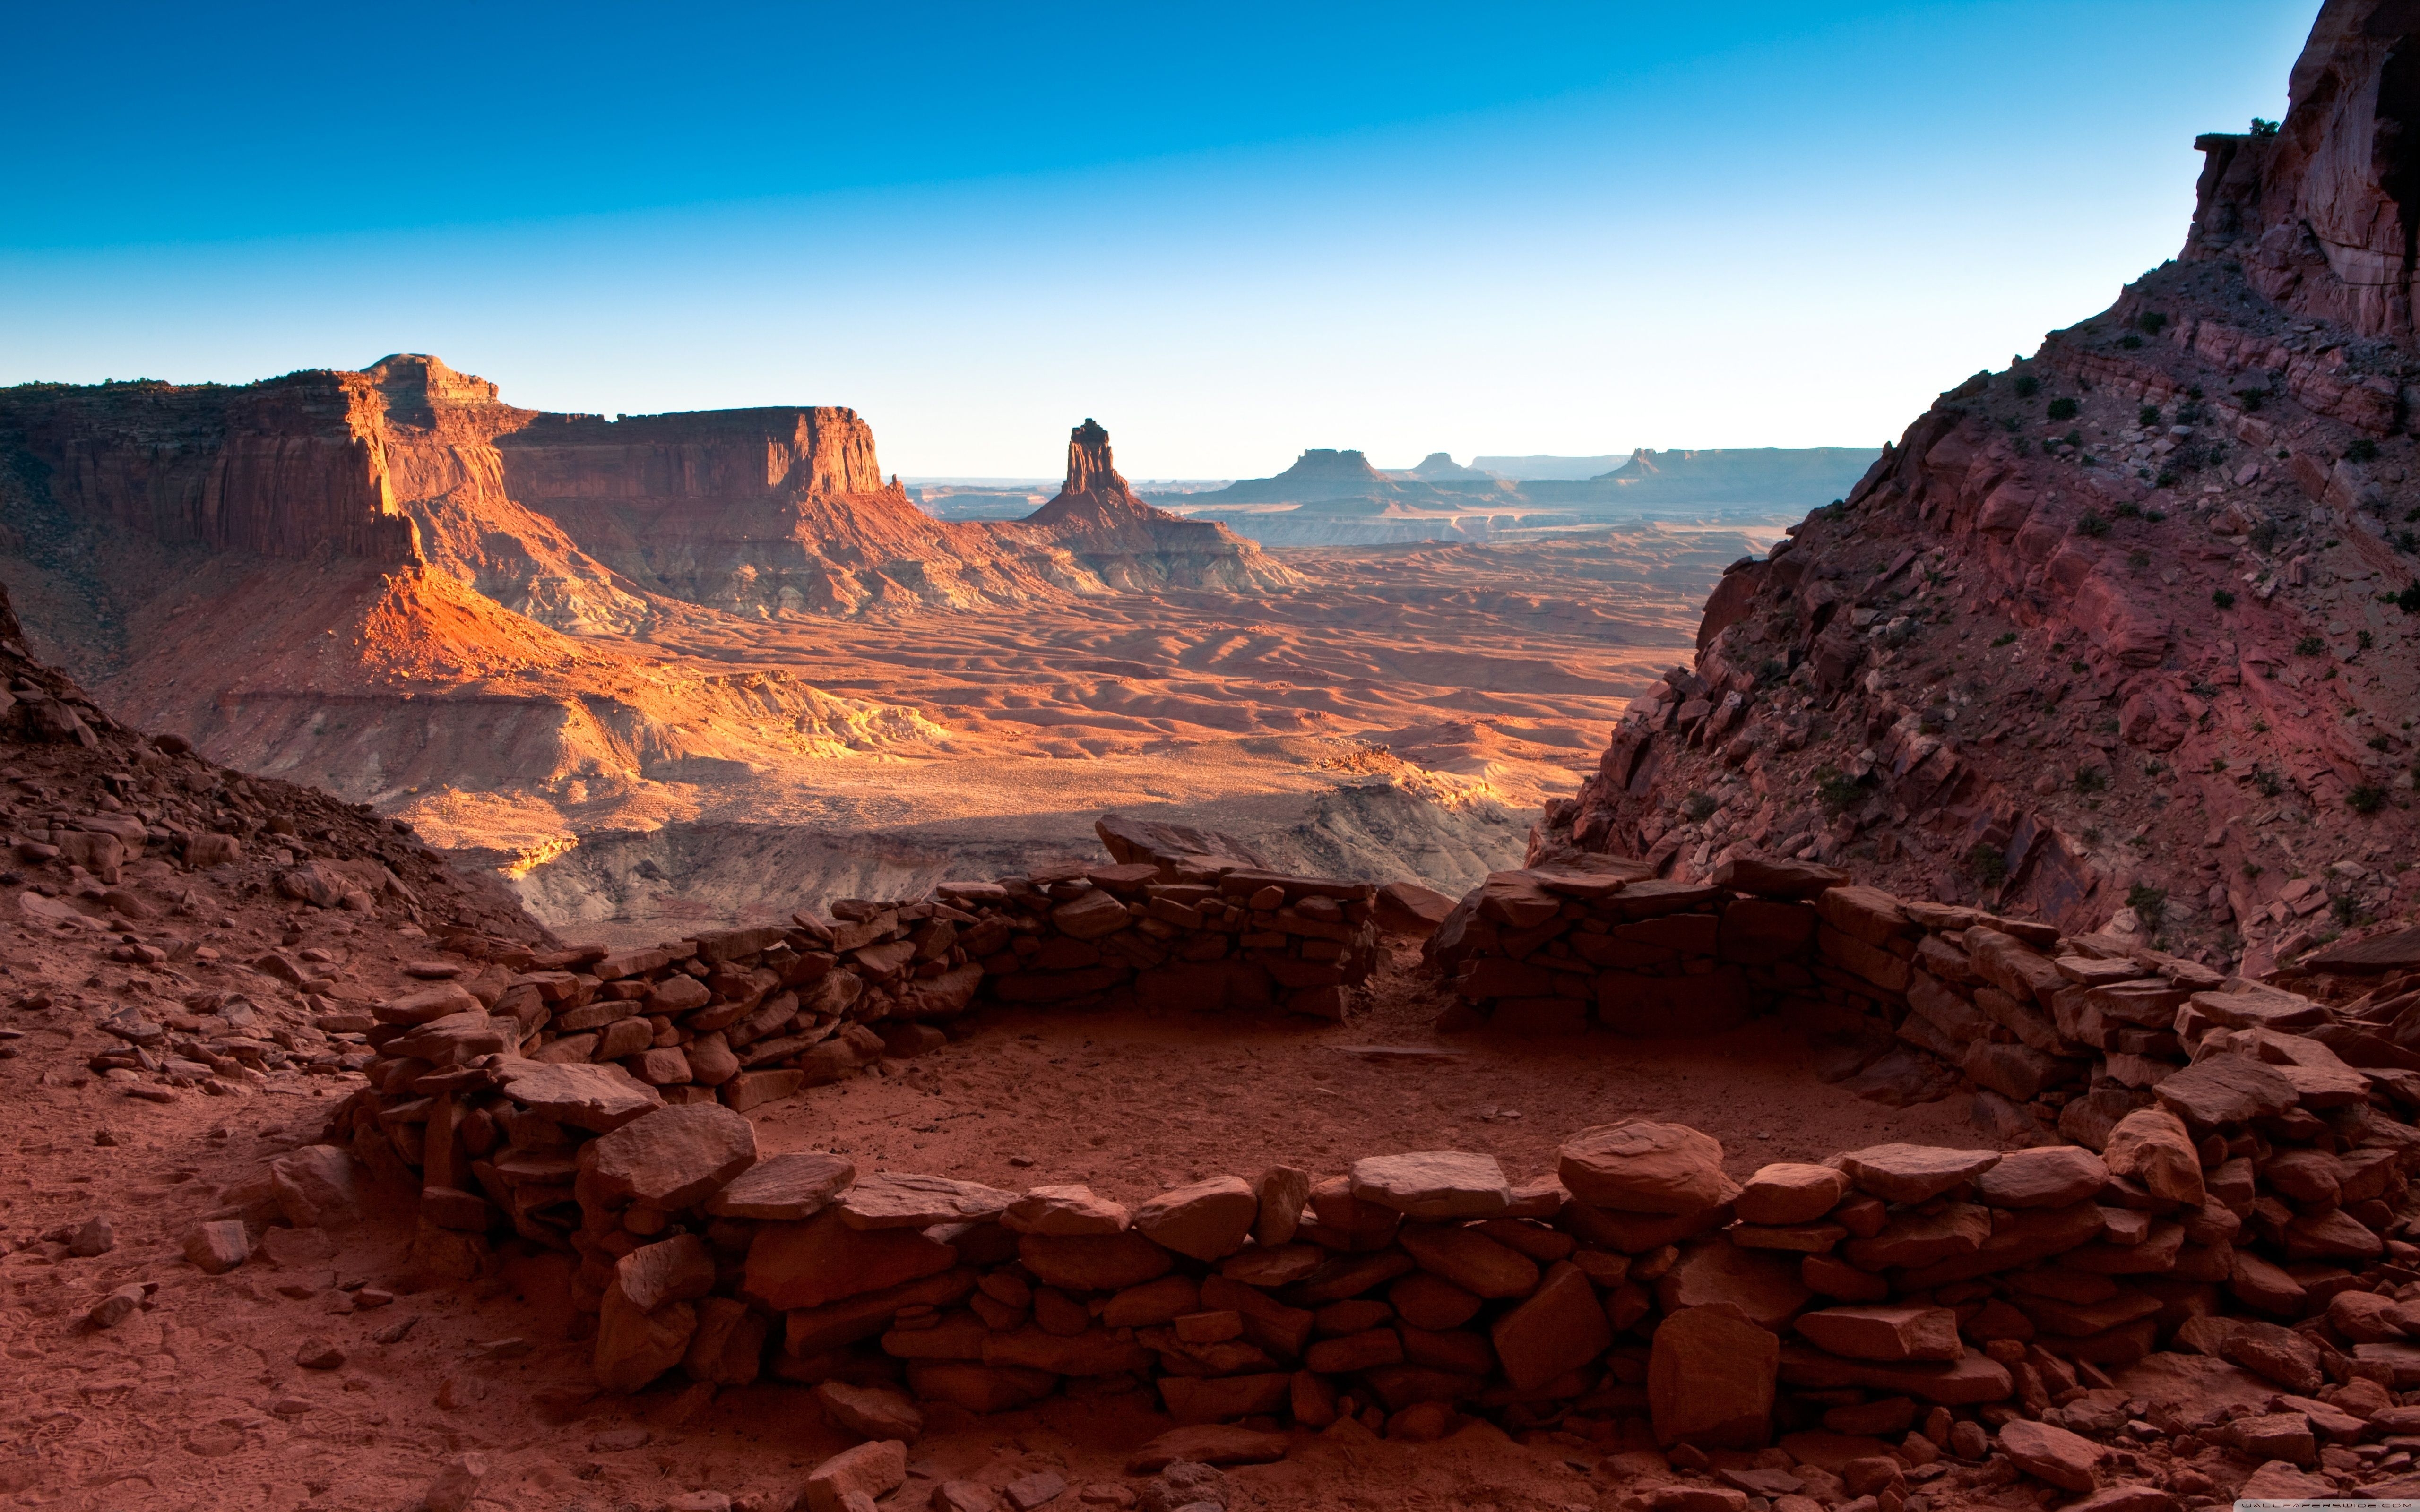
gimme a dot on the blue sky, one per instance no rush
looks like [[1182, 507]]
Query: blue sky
[[1229, 233]]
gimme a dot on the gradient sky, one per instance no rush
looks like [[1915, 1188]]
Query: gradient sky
[[1228, 232]]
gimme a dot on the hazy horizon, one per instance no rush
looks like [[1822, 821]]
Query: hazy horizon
[[1227, 239]]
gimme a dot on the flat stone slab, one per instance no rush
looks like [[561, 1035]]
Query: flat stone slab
[[2226, 1090], [2397, 952], [1914, 1172], [1434, 1185], [672, 1157], [896, 1199], [600, 1099], [797, 1185]]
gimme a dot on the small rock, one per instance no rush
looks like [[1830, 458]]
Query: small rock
[[1183, 1485], [699, 1502], [118, 1307], [873, 1411], [95, 1238], [870, 1470], [1026, 1492], [456, 1483], [219, 1247], [321, 1355]]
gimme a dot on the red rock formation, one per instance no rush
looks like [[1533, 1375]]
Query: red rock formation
[[280, 468], [2323, 209], [1129, 545], [2128, 629]]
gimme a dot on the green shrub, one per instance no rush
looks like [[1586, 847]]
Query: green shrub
[[2220, 597], [2063, 408], [2252, 869], [2129, 510], [2131, 342], [2408, 601], [2252, 399], [2148, 902], [2363, 450], [2264, 535], [2026, 385], [2261, 128], [2090, 780], [2147, 416], [2363, 640], [2311, 645], [2138, 561], [2006, 638], [1987, 862], [1700, 805], [2151, 321], [1835, 791], [2366, 798], [2269, 783], [2092, 524]]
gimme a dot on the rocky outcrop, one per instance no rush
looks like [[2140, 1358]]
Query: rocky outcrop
[[1128, 545], [2322, 209], [2123, 632], [281, 468]]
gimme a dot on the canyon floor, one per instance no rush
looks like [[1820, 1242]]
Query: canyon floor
[[1399, 716]]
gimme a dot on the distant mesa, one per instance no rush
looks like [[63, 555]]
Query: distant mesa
[[1437, 465], [273, 568]]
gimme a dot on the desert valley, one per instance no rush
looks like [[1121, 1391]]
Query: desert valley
[[646, 963]]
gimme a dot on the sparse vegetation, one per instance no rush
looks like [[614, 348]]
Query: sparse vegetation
[[2380, 742], [2220, 597], [2092, 524], [2362, 638], [2006, 638], [2252, 870], [2138, 561], [2366, 798], [1987, 863], [1836, 790], [2090, 780], [2363, 450], [2129, 510], [2063, 408], [2147, 416], [2261, 128], [2026, 385], [2148, 902], [2252, 399], [2151, 322], [2269, 783], [1699, 806], [2311, 645]]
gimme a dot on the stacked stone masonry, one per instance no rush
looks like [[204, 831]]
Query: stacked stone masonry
[[2217, 1169]]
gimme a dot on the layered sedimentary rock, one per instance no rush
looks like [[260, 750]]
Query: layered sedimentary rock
[[2125, 630], [2321, 209], [1129, 545]]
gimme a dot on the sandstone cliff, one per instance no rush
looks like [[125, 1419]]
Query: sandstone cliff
[[2127, 630], [1128, 545]]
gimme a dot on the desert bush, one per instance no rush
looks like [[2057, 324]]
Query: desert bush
[[2063, 408]]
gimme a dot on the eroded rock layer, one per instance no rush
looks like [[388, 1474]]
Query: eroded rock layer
[[2127, 630]]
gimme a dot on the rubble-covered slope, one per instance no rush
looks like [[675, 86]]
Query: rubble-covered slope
[[2126, 631]]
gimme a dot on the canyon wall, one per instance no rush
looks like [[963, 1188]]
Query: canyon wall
[[2125, 631], [279, 468], [2321, 209]]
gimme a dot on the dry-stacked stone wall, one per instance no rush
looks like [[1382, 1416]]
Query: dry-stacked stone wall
[[2217, 1170]]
